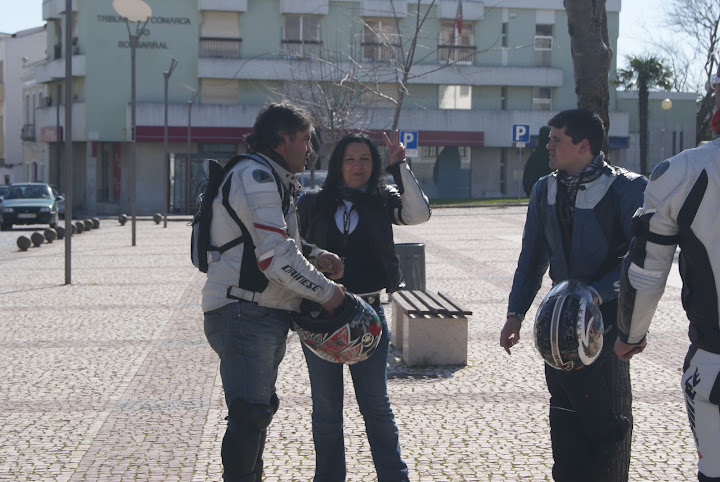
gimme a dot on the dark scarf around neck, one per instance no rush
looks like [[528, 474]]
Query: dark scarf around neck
[[590, 173]]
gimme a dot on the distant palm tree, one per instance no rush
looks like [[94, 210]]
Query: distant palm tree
[[645, 73]]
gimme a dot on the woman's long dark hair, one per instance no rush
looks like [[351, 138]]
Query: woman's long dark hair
[[334, 184]]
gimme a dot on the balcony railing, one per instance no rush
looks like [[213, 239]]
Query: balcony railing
[[220, 48], [28, 132], [301, 49], [456, 54], [378, 51]]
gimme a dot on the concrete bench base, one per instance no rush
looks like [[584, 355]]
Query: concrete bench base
[[428, 332]]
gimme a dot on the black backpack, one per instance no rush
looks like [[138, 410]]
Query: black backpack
[[200, 246]]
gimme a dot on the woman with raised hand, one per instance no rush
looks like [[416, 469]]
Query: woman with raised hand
[[352, 216]]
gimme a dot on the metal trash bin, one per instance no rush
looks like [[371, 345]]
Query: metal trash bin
[[412, 264]]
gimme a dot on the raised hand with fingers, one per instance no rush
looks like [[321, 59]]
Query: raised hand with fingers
[[395, 148]]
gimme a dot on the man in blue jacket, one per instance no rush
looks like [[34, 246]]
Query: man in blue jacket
[[578, 224]]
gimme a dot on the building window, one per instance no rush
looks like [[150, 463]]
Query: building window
[[220, 35], [542, 98], [220, 48], [301, 36], [455, 97], [455, 47], [428, 151], [503, 98], [219, 91], [380, 40], [543, 45], [504, 35]]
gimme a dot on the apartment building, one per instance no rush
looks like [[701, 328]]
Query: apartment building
[[18, 105], [505, 63]]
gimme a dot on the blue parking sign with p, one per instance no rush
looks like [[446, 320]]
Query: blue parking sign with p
[[409, 139], [521, 133]]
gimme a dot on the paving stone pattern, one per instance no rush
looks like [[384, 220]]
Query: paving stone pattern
[[111, 378]]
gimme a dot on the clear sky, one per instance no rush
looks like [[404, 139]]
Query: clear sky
[[638, 20]]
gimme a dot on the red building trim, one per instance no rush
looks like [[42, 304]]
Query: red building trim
[[229, 135], [236, 135]]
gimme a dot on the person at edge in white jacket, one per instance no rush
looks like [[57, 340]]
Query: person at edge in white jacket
[[253, 287], [680, 209]]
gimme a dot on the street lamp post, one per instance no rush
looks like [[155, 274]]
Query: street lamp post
[[57, 132], [68, 143], [188, 165], [666, 105], [134, 11], [166, 167]]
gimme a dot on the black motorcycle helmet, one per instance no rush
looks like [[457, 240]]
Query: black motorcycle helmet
[[569, 327], [349, 337]]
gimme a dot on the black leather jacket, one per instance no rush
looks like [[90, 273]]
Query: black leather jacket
[[317, 211]]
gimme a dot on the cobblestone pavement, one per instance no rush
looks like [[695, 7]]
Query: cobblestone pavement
[[111, 378]]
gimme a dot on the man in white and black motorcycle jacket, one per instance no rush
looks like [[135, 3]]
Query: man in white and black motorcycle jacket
[[253, 287], [578, 224], [680, 209]]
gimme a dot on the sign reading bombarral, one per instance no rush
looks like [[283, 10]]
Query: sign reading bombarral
[[155, 20]]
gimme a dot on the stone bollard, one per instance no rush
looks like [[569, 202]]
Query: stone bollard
[[37, 239], [88, 224], [60, 230], [122, 219], [96, 222], [74, 228], [157, 217], [23, 242], [50, 235], [80, 226]]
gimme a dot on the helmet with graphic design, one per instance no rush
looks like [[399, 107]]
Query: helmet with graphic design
[[569, 327], [350, 336]]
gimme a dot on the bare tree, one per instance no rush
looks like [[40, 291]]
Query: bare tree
[[334, 101], [341, 87], [591, 51], [696, 24]]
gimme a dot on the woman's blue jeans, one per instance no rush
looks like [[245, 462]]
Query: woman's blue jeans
[[370, 383]]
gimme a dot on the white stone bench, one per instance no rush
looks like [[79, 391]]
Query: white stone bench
[[431, 329]]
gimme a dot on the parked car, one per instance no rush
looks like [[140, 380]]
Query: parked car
[[29, 203], [304, 178]]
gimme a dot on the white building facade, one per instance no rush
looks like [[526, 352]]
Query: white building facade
[[508, 64], [20, 99]]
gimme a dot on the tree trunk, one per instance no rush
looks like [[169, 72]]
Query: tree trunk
[[591, 53]]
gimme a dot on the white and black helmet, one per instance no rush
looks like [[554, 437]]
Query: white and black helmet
[[569, 327], [349, 337]]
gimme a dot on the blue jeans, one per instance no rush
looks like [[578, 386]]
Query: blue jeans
[[250, 341], [370, 383]]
